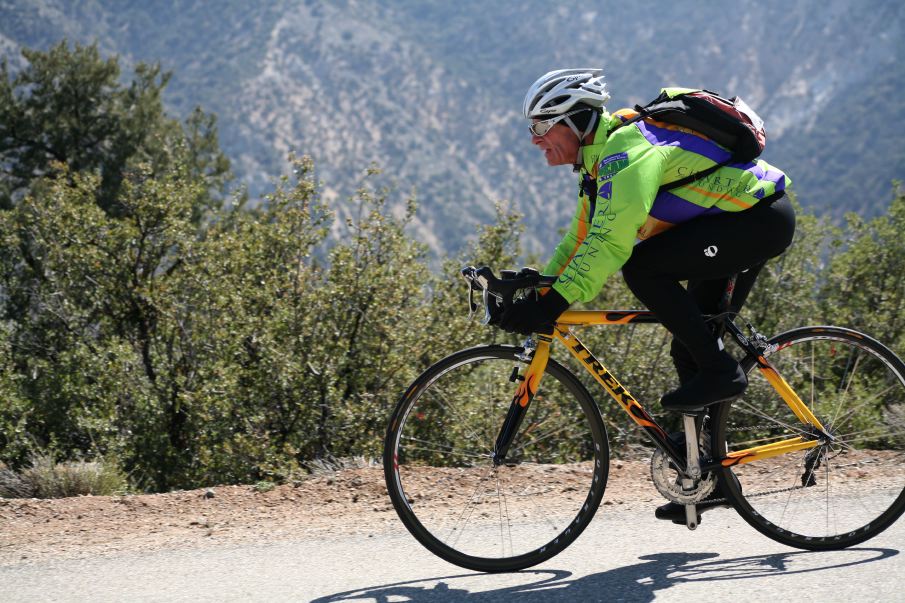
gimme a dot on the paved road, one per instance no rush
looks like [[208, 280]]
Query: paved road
[[623, 556]]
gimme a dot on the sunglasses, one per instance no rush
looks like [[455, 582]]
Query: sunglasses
[[540, 128]]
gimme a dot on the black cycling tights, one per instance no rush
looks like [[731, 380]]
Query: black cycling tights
[[706, 251]]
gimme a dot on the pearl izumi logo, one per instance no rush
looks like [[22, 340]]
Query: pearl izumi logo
[[711, 251]]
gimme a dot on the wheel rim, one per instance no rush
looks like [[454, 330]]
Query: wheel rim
[[844, 488], [456, 497]]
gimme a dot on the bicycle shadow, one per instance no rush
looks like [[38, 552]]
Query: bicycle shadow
[[637, 583]]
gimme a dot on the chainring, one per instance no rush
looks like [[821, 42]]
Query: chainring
[[668, 481]]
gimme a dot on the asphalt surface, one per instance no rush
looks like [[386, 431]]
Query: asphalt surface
[[622, 556]]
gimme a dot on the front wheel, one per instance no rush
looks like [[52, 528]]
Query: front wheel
[[453, 497], [845, 490]]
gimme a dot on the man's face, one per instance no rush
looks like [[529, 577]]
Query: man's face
[[560, 145]]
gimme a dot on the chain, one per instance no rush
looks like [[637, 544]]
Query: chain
[[750, 427], [758, 495]]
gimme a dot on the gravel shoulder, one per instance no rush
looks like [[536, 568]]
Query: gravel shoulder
[[346, 502]]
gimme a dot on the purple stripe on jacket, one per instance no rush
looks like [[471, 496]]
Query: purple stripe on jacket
[[674, 209], [777, 178], [774, 176], [689, 142]]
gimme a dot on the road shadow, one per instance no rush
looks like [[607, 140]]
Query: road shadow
[[638, 582]]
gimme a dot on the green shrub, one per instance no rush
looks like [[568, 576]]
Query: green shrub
[[46, 478], [264, 486], [13, 485]]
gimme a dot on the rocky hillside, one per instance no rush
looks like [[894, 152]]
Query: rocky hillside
[[431, 91]]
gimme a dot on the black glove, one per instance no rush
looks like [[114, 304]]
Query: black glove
[[531, 315]]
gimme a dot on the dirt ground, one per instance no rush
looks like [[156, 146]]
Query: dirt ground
[[320, 506], [349, 501]]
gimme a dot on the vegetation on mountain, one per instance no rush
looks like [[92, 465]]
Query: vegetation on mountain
[[67, 107], [432, 90]]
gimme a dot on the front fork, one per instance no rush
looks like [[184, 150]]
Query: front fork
[[528, 384]]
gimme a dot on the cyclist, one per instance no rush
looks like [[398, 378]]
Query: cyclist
[[730, 222]]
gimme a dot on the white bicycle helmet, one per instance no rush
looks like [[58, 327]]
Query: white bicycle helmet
[[559, 91]]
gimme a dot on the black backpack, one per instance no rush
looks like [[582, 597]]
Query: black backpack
[[730, 123]]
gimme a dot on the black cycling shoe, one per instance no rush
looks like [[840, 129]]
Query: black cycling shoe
[[675, 512], [708, 387]]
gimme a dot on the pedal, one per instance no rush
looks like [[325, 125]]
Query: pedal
[[692, 519]]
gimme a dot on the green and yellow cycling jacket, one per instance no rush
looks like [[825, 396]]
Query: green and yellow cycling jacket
[[628, 167]]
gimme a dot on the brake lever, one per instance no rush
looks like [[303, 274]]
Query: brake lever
[[479, 282], [486, 298]]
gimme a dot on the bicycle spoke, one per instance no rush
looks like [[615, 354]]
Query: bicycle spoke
[[826, 467], [444, 402], [443, 450], [499, 504], [848, 437], [491, 415], [792, 491], [748, 409], [508, 523], [849, 415], [546, 436], [544, 513], [813, 372], [849, 447], [469, 507], [442, 447]]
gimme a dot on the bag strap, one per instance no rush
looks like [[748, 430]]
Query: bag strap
[[642, 113]]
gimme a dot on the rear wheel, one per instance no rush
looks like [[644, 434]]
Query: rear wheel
[[839, 493], [440, 474]]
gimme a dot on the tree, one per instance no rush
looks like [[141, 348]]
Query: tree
[[864, 285], [68, 107]]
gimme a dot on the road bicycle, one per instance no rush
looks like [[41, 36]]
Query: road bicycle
[[496, 457]]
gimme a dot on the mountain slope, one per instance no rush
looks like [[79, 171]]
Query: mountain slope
[[431, 91]]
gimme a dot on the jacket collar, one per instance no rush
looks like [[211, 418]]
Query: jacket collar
[[590, 153]]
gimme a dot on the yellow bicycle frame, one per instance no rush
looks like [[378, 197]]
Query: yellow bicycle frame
[[562, 333]]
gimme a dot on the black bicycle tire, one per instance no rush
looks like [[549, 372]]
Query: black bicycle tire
[[732, 488], [506, 564]]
